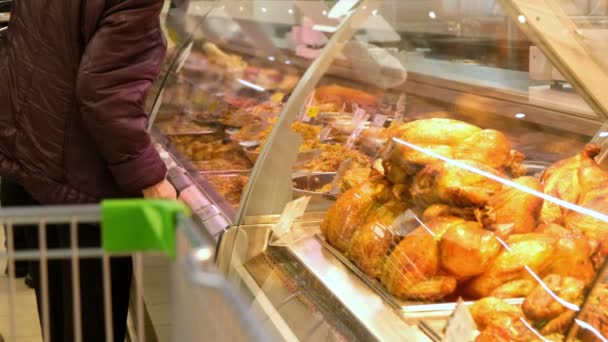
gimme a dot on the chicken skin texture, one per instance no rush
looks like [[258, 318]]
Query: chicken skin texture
[[411, 270], [593, 228], [352, 209], [513, 211], [371, 242], [447, 183], [491, 310], [467, 249], [541, 305], [526, 251], [572, 254], [452, 139], [569, 180]]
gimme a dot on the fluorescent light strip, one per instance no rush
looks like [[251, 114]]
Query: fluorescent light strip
[[251, 85]]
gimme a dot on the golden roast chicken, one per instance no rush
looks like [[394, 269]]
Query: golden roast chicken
[[482, 229]]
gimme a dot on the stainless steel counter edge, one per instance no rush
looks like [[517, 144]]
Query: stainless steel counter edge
[[207, 213], [382, 320]]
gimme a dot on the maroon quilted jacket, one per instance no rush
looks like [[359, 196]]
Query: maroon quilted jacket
[[73, 80]]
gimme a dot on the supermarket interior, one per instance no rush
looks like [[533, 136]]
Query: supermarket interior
[[394, 170]]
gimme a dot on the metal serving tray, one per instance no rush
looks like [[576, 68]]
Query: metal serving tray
[[412, 309]]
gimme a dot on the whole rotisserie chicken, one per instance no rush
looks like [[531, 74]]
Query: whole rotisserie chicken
[[452, 139], [411, 270], [512, 210], [371, 242], [467, 250], [452, 184], [352, 209], [531, 251], [569, 180], [543, 316]]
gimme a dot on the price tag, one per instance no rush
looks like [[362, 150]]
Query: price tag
[[277, 97], [359, 121], [335, 184], [303, 115], [324, 134], [359, 113], [292, 211], [379, 120], [460, 325], [400, 108], [312, 112]]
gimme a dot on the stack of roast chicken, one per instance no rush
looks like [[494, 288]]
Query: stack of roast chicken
[[483, 227]]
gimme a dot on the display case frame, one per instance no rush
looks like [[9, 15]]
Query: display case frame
[[247, 234]]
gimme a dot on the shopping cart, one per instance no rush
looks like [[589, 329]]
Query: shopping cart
[[205, 307]]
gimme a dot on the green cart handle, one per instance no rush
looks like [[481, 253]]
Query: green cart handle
[[140, 225]]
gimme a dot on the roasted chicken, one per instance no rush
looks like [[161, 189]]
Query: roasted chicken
[[596, 315], [452, 184], [452, 139], [467, 250], [492, 310], [571, 257], [512, 210], [371, 242], [438, 210], [569, 180], [526, 252], [352, 209], [594, 228], [411, 270], [545, 315], [546, 302]]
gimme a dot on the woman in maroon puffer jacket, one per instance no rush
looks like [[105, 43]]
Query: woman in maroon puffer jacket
[[73, 79]]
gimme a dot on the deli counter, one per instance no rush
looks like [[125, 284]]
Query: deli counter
[[397, 170]]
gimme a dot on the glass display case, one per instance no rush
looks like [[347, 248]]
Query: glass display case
[[398, 169]]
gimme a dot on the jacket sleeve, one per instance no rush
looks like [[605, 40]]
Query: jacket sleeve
[[120, 61]]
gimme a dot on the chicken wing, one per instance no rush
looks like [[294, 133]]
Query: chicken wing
[[448, 183], [352, 209], [512, 210], [525, 252], [467, 249]]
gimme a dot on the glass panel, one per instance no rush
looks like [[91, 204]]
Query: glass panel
[[235, 67], [591, 20], [444, 179]]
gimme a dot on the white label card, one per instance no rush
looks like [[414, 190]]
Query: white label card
[[359, 123], [461, 325], [335, 184], [292, 211], [379, 120], [325, 133]]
